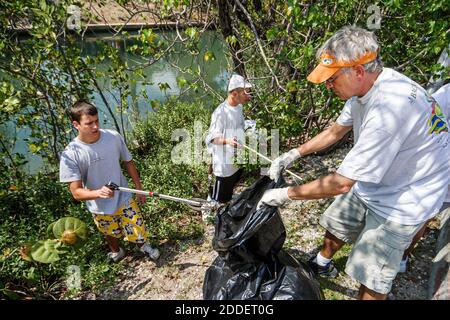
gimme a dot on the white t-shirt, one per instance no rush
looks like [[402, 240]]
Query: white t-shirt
[[400, 159], [227, 122], [442, 96], [95, 164]]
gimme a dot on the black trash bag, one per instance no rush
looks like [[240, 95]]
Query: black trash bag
[[250, 264], [282, 279], [245, 235]]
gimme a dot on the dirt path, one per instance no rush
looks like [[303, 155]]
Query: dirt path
[[180, 271]]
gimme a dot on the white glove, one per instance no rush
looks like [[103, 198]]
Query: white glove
[[274, 197], [283, 162]]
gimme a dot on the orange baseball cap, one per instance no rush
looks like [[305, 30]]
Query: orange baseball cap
[[328, 66]]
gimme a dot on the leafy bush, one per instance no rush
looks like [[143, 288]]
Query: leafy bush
[[412, 35], [153, 147], [27, 206]]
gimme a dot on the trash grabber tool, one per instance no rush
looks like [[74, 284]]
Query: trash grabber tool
[[197, 204], [268, 159]]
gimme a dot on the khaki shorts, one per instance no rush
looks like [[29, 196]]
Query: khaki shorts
[[379, 244], [127, 222]]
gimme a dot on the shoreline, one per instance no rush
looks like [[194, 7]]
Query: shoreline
[[113, 17], [88, 29]]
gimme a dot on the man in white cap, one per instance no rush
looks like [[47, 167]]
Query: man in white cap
[[227, 125]]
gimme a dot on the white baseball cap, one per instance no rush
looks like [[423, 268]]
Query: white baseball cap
[[238, 81]]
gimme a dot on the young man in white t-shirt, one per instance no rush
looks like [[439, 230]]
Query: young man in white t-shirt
[[393, 179], [87, 164], [227, 127]]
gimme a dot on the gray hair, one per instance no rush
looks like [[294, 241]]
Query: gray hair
[[350, 43]]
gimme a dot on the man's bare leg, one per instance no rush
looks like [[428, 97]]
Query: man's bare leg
[[368, 294], [330, 246], [414, 241], [113, 243]]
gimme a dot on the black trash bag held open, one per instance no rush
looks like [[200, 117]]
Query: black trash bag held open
[[251, 264]]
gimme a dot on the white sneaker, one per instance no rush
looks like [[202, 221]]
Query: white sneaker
[[153, 253], [116, 256], [403, 265], [208, 214]]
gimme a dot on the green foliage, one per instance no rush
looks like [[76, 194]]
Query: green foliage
[[153, 148], [44, 72], [46, 251], [28, 208], [39, 75], [70, 224], [67, 231], [412, 35]]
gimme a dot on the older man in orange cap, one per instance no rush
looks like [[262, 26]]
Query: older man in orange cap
[[393, 179]]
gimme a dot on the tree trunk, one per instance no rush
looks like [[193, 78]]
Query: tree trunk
[[227, 30]]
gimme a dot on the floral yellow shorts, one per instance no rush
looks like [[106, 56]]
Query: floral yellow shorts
[[127, 223]]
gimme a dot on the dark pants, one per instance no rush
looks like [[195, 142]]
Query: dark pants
[[223, 187]]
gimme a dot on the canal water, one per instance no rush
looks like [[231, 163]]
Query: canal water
[[163, 73]]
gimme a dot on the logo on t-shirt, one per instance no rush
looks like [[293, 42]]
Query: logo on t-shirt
[[327, 61], [437, 121]]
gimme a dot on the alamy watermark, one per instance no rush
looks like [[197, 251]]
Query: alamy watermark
[[74, 17], [73, 281], [197, 148], [374, 20]]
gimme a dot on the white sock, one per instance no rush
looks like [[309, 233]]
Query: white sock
[[321, 260]]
